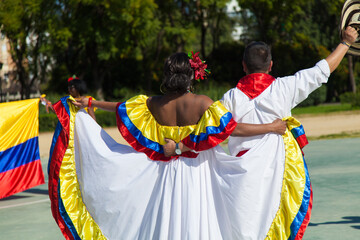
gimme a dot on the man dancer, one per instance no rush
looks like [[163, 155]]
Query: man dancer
[[260, 98]]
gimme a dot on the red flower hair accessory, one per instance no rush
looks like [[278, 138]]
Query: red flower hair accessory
[[198, 65], [74, 77]]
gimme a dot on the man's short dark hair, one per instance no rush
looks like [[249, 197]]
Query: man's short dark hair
[[257, 57]]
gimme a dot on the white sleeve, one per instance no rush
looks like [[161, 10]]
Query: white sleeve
[[226, 100], [298, 87]]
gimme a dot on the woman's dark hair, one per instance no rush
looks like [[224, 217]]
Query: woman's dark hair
[[79, 85], [178, 74], [257, 57]]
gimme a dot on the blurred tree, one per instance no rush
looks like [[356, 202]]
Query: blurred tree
[[90, 35], [321, 24], [293, 22], [24, 23], [272, 20]]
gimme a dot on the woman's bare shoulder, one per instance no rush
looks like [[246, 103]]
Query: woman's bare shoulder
[[205, 101]]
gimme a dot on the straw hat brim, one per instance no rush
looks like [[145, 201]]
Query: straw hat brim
[[350, 15]]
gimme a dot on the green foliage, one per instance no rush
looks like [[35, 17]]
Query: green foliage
[[225, 63], [351, 98], [290, 57], [321, 109], [24, 23], [212, 89], [315, 98], [119, 47], [98, 34], [126, 93], [48, 122], [105, 119], [273, 19]]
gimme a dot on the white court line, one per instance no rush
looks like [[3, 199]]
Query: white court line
[[24, 204]]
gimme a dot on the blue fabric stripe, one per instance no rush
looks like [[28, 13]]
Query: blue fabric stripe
[[136, 132], [299, 218], [69, 224], [298, 131], [225, 119], [66, 217], [53, 143], [65, 104], [19, 155]]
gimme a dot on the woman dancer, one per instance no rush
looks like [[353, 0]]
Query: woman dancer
[[100, 189], [77, 89]]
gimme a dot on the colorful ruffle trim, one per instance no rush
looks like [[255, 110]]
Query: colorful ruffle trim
[[140, 129], [67, 207], [295, 206]]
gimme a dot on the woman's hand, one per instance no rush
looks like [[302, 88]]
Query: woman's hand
[[278, 126], [169, 147], [46, 103], [81, 102]]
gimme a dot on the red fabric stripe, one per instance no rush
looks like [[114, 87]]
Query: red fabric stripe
[[55, 164], [306, 221], [242, 153], [56, 160], [302, 140], [254, 84], [21, 178], [62, 115], [153, 155], [213, 139]]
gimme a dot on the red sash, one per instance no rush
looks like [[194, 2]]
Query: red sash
[[254, 84]]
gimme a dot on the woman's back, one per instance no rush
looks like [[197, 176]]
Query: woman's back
[[178, 110]]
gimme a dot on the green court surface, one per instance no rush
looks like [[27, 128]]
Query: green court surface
[[334, 167]]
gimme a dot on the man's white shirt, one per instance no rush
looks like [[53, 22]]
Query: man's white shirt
[[274, 102]]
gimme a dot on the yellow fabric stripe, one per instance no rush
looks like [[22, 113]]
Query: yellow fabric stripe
[[211, 117], [141, 117], [292, 123], [70, 190], [19, 122], [293, 186]]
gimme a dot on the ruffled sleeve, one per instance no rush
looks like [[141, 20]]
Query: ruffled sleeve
[[214, 127], [141, 130]]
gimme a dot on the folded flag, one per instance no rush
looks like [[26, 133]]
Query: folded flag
[[20, 165]]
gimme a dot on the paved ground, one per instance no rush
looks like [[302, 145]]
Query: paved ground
[[332, 123], [334, 167]]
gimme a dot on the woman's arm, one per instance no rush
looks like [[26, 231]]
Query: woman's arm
[[47, 103], [107, 106], [245, 129], [92, 112]]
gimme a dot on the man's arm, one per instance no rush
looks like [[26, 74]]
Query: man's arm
[[349, 37], [242, 129], [245, 129]]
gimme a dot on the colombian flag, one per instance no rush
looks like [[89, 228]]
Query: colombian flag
[[20, 165]]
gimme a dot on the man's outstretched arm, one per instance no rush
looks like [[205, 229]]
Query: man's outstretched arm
[[349, 37]]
